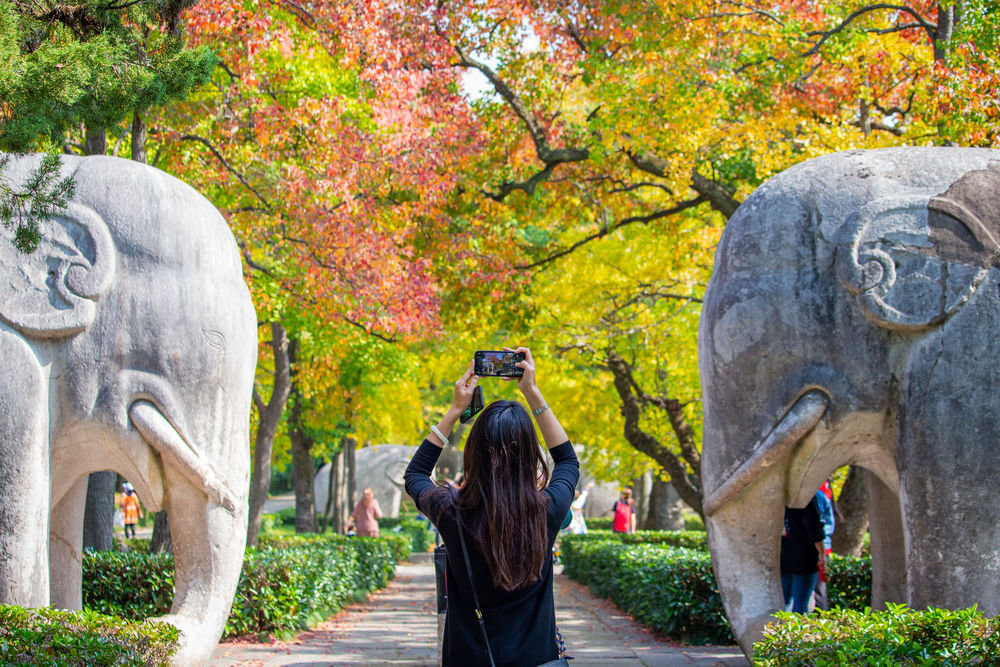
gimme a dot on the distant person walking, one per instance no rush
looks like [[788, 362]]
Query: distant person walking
[[578, 524], [802, 555], [130, 509], [624, 513], [366, 515]]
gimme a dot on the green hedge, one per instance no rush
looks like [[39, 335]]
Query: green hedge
[[420, 535], [688, 539], [667, 583], [287, 585], [897, 636], [670, 589], [54, 637], [599, 523]]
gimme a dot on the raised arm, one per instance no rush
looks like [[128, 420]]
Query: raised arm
[[552, 431]]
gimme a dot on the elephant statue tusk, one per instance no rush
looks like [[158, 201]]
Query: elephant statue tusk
[[164, 438], [801, 418]]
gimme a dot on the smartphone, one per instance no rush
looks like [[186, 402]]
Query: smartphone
[[498, 364], [474, 407]]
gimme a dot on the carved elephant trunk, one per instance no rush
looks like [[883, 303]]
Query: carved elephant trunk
[[134, 329], [850, 320]]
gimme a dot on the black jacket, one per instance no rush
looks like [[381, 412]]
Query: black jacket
[[521, 624], [803, 530]]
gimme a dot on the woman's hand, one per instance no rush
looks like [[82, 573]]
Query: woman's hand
[[527, 383], [464, 387]]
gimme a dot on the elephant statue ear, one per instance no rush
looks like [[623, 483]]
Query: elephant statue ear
[[913, 261], [53, 291]]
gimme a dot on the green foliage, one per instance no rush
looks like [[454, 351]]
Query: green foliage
[[600, 523], [43, 194], [692, 521], [849, 582], [54, 637], [688, 539], [93, 64], [665, 579], [670, 589], [420, 535], [136, 544], [129, 585], [286, 585], [897, 636]]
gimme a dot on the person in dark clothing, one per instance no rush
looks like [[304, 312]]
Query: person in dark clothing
[[802, 555], [511, 511]]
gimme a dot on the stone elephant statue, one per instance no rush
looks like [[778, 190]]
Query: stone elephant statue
[[127, 342], [852, 318]]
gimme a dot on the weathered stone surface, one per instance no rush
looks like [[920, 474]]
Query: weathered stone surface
[[852, 319], [127, 342]]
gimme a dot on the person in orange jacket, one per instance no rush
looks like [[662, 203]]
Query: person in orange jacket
[[130, 508]]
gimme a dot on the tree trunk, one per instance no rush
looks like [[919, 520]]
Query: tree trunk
[[328, 520], [99, 514], [302, 463], [350, 478], [138, 138], [687, 487], [340, 513], [849, 536], [162, 542], [96, 142], [270, 419], [948, 19], [664, 507]]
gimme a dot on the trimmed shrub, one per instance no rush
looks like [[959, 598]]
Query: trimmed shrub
[[419, 533], [50, 636], [849, 584], [688, 539], [599, 523], [670, 589], [287, 585], [897, 636], [128, 584], [665, 579]]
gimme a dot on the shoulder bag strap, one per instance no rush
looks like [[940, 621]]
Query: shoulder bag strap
[[475, 597]]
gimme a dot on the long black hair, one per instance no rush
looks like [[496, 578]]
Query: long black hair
[[501, 501]]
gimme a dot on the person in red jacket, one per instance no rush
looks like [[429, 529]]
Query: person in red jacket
[[624, 513]]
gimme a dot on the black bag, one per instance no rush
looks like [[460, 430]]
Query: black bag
[[441, 577]]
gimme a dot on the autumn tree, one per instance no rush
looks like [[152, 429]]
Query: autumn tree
[[603, 119]]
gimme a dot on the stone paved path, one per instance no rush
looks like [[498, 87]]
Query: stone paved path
[[398, 626]]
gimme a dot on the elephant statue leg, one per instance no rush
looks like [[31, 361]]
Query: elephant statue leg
[[66, 547], [208, 547], [24, 517], [949, 455], [888, 554]]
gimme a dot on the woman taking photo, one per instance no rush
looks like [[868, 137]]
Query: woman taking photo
[[510, 511]]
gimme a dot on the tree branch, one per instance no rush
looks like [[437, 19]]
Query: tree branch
[[929, 28], [229, 167], [607, 229], [719, 197], [646, 443]]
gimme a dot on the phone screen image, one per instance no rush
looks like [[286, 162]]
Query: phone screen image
[[475, 407], [498, 363]]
